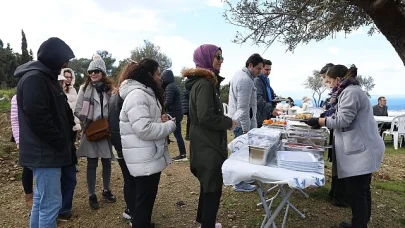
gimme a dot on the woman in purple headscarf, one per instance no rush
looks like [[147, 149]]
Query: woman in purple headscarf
[[208, 125]]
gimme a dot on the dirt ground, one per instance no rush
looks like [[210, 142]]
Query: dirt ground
[[176, 202]]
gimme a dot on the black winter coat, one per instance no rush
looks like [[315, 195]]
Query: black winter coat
[[208, 137], [114, 109], [45, 128], [173, 104]]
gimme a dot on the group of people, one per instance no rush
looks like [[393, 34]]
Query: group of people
[[357, 149], [137, 115]]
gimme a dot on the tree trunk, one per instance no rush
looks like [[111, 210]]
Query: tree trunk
[[390, 21]]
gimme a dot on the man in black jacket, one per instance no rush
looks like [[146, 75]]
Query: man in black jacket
[[45, 131], [173, 107], [186, 100], [266, 108]]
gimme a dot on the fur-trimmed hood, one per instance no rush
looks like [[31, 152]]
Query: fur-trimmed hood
[[195, 74], [62, 73]]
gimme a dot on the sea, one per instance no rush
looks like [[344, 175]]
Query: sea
[[395, 104]]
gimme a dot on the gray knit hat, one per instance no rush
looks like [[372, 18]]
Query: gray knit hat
[[97, 64]]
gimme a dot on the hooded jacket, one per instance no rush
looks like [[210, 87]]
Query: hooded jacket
[[44, 115], [143, 135], [71, 94], [208, 125], [243, 99], [173, 104]]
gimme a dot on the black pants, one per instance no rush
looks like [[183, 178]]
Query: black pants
[[208, 205], [358, 190], [145, 190], [129, 185]]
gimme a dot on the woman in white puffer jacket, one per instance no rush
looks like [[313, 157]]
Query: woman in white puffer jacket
[[143, 131]]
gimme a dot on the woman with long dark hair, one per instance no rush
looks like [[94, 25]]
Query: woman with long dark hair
[[358, 146], [144, 130], [92, 105]]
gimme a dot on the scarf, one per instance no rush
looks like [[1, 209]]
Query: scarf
[[87, 112], [337, 90], [204, 55]]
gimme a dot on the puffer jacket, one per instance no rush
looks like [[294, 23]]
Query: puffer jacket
[[143, 135], [173, 105], [71, 95], [15, 127]]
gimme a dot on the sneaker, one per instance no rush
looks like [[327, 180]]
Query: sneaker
[[93, 202], [345, 225], [244, 187], [182, 157], [126, 214], [108, 196], [64, 217]]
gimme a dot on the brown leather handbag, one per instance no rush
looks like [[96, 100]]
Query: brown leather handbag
[[98, 129]]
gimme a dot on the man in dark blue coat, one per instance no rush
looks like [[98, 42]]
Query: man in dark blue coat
[[45, 128], [173, 107]]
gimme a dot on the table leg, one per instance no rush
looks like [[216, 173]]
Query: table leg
[[266, 207], [290, 204], [279, 208]]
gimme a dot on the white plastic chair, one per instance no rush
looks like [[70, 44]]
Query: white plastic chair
[[398, 121], [226, 111]]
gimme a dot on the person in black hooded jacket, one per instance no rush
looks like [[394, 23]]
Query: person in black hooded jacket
[[45, 131], [173, 107], [186, 100]]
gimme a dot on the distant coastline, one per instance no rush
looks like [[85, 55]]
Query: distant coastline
[[393, 103]]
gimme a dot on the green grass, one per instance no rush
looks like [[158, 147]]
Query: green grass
[[395, 186], [7, 94], [18, 176]]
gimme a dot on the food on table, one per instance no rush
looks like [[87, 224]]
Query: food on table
[[275, 122], [303, 116]]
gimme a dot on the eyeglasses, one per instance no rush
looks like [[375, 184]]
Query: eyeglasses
[[219, 57], [90, 72]]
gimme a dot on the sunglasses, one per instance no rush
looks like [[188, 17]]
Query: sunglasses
[[90, 72], [219, 57]]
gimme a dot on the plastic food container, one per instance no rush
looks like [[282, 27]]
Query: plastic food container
[[259, 155]]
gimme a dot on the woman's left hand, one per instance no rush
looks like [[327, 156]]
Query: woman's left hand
[[165, 118]]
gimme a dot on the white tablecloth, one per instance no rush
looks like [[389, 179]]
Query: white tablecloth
[[237, 168], [383, 119]]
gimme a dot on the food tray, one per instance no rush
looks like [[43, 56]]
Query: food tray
[[310, 141], [290, 146], [276, 126]]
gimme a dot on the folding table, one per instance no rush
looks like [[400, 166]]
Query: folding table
[[237, 168]]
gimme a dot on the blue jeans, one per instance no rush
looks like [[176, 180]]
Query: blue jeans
[[47, 197], [179, 138], [237, 132], [68, 185]]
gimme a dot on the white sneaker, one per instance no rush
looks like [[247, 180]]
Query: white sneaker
[[126, 214]]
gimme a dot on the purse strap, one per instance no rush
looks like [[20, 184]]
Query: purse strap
[[101, 103]]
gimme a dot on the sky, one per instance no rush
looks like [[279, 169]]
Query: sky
[[180, 26]]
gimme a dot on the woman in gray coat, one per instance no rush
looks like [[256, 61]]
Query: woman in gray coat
[[358, 146], [92, 104]]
